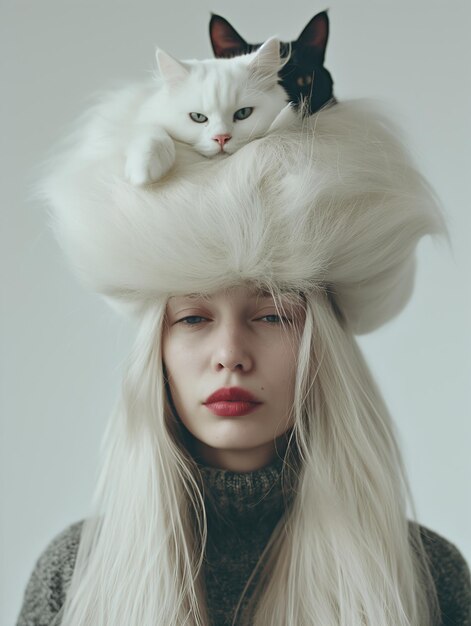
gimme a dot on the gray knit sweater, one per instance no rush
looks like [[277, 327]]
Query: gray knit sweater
[[243, 510]]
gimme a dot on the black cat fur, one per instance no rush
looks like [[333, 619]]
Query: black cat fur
[[304, 77]]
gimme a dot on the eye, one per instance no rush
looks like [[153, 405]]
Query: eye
[[191, 320], [199, 118], [243, 114], [278, 319]]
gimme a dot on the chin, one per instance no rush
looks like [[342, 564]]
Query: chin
[[218, 155], [209, 153], [232, 150]]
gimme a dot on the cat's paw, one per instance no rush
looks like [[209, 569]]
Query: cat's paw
[[148, 162]]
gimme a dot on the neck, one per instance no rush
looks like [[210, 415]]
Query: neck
[[240, 460]]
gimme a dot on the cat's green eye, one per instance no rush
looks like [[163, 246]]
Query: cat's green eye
[[243, 114], [199, 118]]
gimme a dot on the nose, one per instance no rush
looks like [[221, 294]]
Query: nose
[[222, 139], [231, 352]]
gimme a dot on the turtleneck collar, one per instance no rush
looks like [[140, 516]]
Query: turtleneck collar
[[243, 497]]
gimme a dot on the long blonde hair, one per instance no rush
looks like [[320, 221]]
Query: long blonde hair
[[342, 555]]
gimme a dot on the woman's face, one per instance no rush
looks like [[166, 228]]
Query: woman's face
[[233, 338]]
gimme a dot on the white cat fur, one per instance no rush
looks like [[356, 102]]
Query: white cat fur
[[320, 201], [143, 122]]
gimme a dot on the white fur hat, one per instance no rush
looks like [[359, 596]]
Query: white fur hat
[[333, 200]]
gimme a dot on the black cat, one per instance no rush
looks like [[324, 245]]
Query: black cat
[[304, 75]]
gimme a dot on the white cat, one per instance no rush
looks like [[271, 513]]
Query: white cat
[[215, 106]]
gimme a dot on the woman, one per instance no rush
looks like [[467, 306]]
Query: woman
[[251, 473]]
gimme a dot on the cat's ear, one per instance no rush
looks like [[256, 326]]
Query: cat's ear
[[172, 71], [265, 63], [316, 34], [225, 40]]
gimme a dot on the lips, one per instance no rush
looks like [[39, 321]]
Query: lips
[[232, 394], [232, 402]]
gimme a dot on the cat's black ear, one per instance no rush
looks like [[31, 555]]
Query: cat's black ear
[[316, 34], [225, 40]]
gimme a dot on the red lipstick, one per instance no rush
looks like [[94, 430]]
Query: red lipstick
[[231, 402]]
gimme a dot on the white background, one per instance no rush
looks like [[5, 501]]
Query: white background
[[62, 350]]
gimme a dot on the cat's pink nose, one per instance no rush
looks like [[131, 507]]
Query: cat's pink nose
[[222, 139]]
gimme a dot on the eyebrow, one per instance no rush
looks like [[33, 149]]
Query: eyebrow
[[263, 293], [197, 297], [190, 299]]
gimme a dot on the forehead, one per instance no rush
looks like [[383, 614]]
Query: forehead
[[217, 84], [235, 295]]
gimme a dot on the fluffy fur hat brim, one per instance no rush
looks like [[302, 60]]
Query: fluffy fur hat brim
[[332, 200]]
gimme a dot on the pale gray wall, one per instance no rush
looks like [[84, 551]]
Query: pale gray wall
[[62, 349]]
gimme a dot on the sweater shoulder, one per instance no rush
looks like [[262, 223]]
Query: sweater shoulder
[[46, 589], [47, 586], [451, 576]]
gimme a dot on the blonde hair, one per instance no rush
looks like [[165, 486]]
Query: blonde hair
[[342, 555], [333, 209]]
